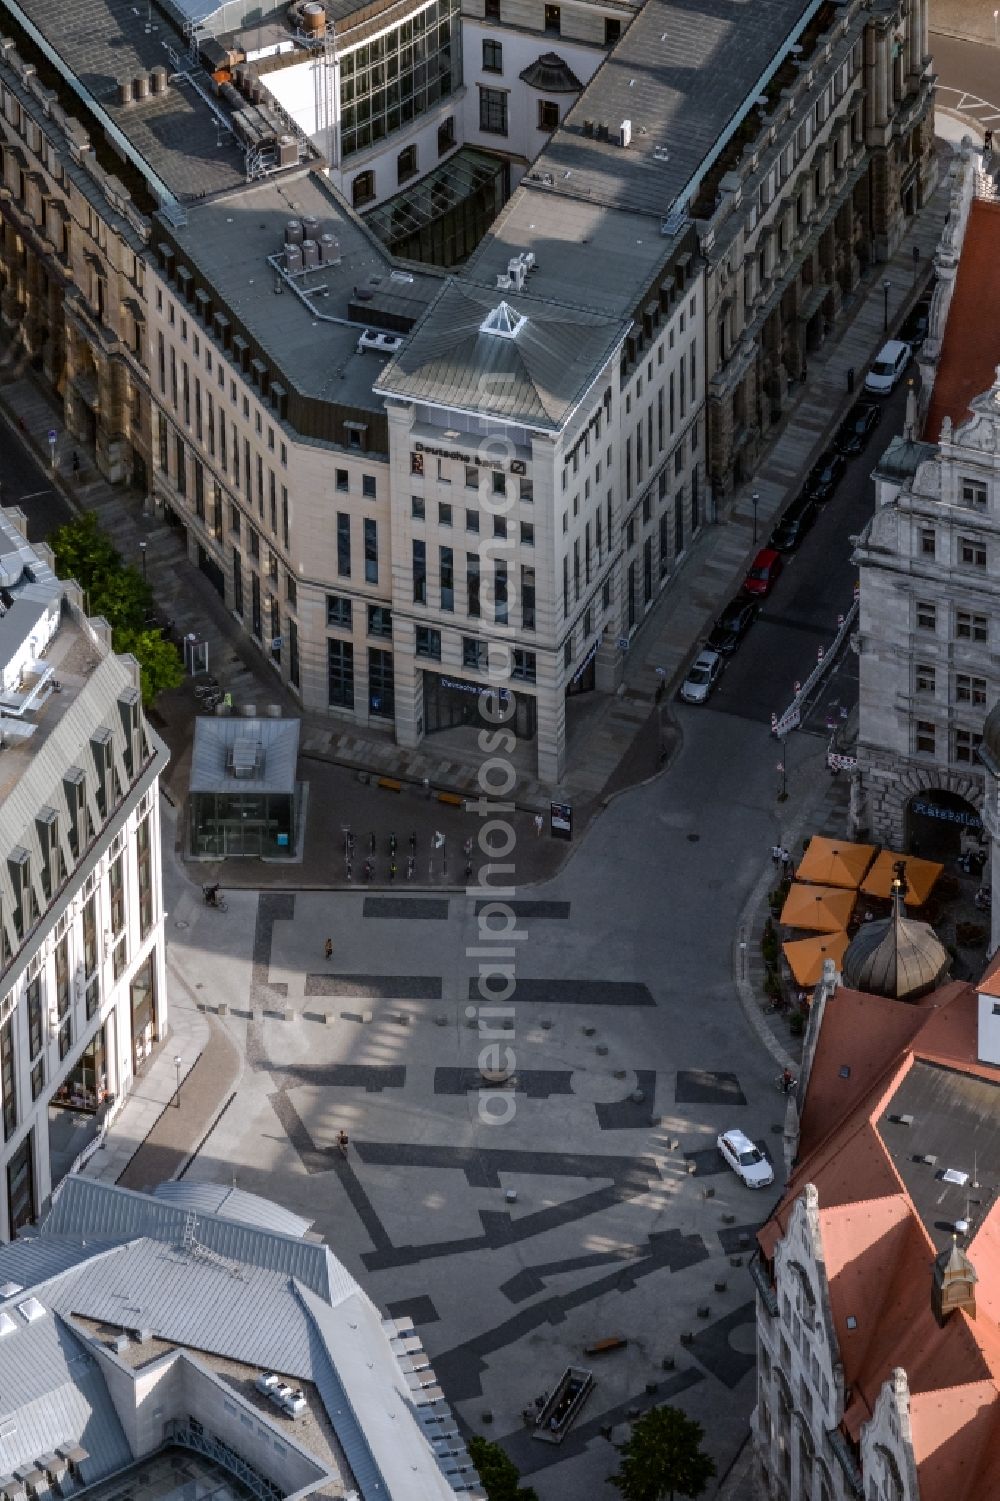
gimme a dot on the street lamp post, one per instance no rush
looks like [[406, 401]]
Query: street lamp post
[[177, 1067], [886, 289], [755, 502], [142, 552], [996, 27]]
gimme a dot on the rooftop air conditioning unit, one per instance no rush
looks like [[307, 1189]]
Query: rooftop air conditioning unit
[[625, 133]]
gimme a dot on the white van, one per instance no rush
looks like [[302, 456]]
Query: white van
[[892, 360]]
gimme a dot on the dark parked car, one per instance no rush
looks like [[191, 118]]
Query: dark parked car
[[765, 570], [794, 525], [858, 427], [733, 624], [914, 330], [825, 476]]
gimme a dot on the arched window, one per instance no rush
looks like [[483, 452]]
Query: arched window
[[363, 189]]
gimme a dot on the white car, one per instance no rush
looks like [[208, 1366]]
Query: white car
[[702, 678], [746, 1159], [888, 368]]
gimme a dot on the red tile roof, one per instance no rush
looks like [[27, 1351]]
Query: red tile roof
[[970, 351], [879, 1256]]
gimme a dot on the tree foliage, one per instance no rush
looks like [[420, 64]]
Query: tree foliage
[[500, 1475], [662, 1458], [118, 592]]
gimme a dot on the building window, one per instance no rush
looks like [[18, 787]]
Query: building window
[[472, 521], [966, 743], [417, 508], [406, 164], [926, 737], [553, 20], [340, 674], [338, 611], [970, 690], [446, 135], [343, 481], [926, 616], [363, 189], [144, 867], [493, 111], [474, 654], [492, 56], [500, 593], [380, 621], [972, 554], [528, 598], [419, 573], [528, 533], [471, 477], [523, 668], [499, 526], [447, 579], [428, 642], [925, 678], [343, 545], [974, 494], [381, 684], [548, 114], [612, 31], [969, 627], [368, 486], [927, 541], [371, 552], [492, 11], [472, 585]]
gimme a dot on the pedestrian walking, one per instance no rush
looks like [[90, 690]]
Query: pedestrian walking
[[467, 847], [342, 1141], [413, 844], [786, 864], [776, 856], [350, 868], [369, 868], [392, 844], [328, 949], [468, 870], [539, 824], [76, 464]]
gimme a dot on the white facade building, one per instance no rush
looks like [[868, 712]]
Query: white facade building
[[82, 993]]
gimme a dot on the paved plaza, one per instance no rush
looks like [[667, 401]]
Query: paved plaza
[[599, 1209]]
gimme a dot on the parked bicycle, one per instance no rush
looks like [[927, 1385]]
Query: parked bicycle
[[213, 899]]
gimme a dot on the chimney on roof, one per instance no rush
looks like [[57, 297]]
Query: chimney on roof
[[954, 1284]]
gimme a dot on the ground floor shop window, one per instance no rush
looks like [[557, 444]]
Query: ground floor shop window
[[86, 1085], [381, 684], [452, 702], [142, 999]]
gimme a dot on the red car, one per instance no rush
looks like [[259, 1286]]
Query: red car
[[764, 573]]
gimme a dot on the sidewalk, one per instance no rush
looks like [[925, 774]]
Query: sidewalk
[[617, 733], [972, 20]]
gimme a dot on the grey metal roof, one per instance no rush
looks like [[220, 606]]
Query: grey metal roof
[[173, 132], [229, 240], [218, 739], [232, 1204], [52, 1393], [534, 378], [365, 1383], [86, 1207], [682, 73], [897, 957]]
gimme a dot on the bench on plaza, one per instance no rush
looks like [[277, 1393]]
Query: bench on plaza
[[603, 1346], [453, 799], [391, 784]]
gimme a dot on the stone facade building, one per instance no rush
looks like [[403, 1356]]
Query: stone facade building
[[82, 993], [813, 185]]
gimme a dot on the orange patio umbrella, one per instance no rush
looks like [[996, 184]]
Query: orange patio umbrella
[[822, 909], [920, 877], [806, 955], [835, 862]]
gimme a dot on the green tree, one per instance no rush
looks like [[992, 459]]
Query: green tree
[[663, 1458], [500, 1475], [120, 594], [160, 665]]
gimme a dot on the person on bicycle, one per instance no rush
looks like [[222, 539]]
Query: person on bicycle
[[212, 895]]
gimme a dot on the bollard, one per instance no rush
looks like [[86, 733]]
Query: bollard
[[850, 378]]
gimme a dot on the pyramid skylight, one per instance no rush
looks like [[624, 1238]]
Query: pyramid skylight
[[503, 321]]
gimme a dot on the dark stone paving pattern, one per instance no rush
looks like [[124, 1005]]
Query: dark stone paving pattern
[[707, 1162], [575, 993], [460, 1369], [730, 1237], [419, 1308], [531, 1456], [536, 1083], [329, 1160], [697, 1087], [376, 987], [530, 1280], [372, 1077], [629, 1114], [528, 908], [713, 1349], [431, 908], [272, 907]]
